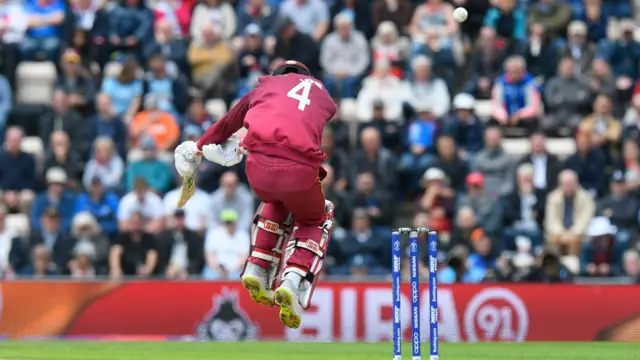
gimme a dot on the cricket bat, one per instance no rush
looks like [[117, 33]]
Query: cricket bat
[[187, 190]]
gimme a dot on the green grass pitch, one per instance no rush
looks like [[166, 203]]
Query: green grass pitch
[[59, 350]]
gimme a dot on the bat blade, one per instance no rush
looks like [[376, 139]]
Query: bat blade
[[187, 190]]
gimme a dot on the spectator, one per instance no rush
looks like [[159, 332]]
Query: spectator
[[438, 200], [344, 56], [629, 164], [465, 224], [341, 132], [482, 259], [358, 10], [145, 203], [398, 12], [76, 81], [515, 96], [211, 59], [261, 13], [524, 211], [86, 23], [213, 14], [487, 210], [631, 264], [578, 47], [155, 171], [550, 269], [103, 205], [43, 35], [181, 249], [252, 60], [169, 44], [568, 211], [41, 264], [390, 131], [339, 198], [17, 171], [15, 25], [632, 119], [426, 88], [601, 79], [454, 167], [546, 166], [154, 123], [436, 15], [7, 238], [6, 102], [389, 45], [226, 248], [125, 91], [91, 250], [381, 86], [56, 196], [596, 17], [552, 15], [588, 163], [374, 199], [363, 239], [105, 164], [49, 232], [486, 60], [170, 90], [196, 213], [60, 155], [620, 208], [130, 27], [361, 266], [66, 119], [623, 54], [233, 195], [337, 158], [176, 14], [541, 54], [311, 17], [566, 98], [604, 129], [421, 141], [374, 159], [601, 254], [292, 44], [197, 115], [494, 163], [508, 21], [465, 127], [135, 252], [457, 269], [107, 123]]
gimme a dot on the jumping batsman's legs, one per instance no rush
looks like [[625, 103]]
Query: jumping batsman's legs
[[270, 231]]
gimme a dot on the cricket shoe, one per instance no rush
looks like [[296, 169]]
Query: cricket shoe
[[290, 309], [254, 280]]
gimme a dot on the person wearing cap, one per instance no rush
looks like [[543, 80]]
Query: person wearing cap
[[106, 123], [55, 196], [253, 60], [438, 200], [464, 126], [156, 172], [91, 249], [263, 14], [102, 204], [601, 253], [51, 234], [494, 163], [487, 209], [344, 57], [156, 123], [566, 98], [211, 59], [226, 248], [197, 211], [568, 211], [426, 88], [181, 250], [75, 80], [620, 207], [580, 46]]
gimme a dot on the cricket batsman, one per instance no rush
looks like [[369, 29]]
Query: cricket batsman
[[284, 117]]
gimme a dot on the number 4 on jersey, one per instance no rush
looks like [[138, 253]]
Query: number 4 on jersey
[[301, 91]]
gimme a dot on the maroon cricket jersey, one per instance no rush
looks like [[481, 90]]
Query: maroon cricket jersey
[[284, 117]]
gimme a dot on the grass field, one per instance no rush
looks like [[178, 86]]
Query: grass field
[[58, 350]]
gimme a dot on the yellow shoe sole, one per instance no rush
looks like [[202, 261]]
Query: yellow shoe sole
[[287, 315], [258, 294]]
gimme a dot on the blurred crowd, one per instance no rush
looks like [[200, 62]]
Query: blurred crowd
[[95, 94]]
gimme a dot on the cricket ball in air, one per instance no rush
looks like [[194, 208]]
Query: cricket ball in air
[[460, 14]]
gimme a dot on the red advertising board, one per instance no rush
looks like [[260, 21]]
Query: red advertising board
[[341, 312]]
